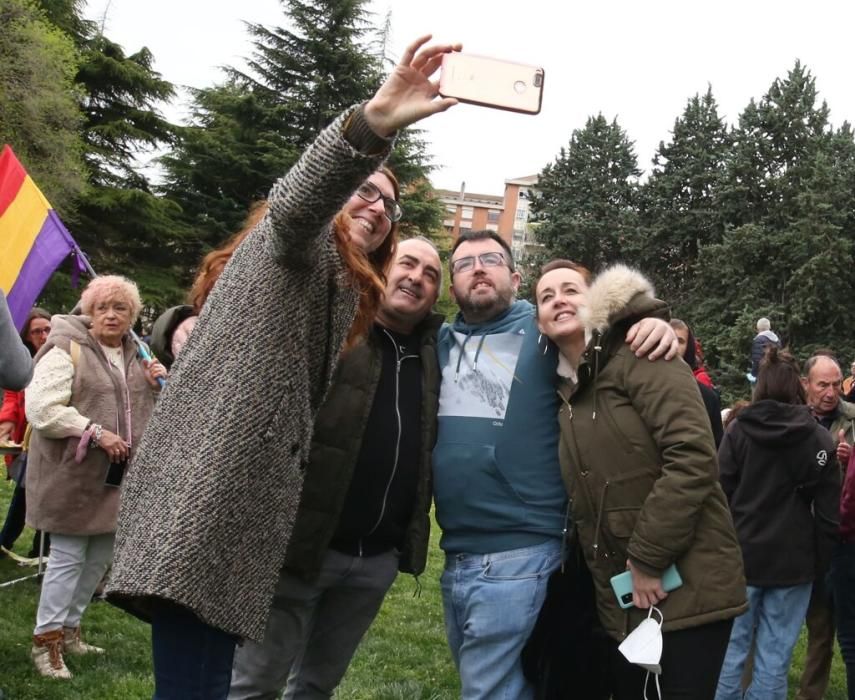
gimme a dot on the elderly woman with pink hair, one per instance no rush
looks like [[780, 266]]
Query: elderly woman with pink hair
[[89, 400]]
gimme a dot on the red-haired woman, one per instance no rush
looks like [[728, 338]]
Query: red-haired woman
[[208, 509]]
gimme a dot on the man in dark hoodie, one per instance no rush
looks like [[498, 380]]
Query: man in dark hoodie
[[500, 500], [363, 514]]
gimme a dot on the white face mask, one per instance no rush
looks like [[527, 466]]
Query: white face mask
[[643, 647]]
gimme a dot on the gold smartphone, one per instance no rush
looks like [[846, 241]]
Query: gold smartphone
[[491, 82]]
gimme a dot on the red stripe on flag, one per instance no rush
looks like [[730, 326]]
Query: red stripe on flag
[[12, 175]]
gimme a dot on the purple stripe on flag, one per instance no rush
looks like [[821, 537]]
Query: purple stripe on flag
[[50, 247]]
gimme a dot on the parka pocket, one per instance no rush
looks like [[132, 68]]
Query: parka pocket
[[621, 522], [620, 504]]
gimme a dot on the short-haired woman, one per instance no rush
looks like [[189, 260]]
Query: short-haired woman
[[88, 403]]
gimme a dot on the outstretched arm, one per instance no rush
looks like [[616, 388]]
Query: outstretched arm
[[16, 365], [302, 204]]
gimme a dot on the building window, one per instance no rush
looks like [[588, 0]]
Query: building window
[[493, 216], [466, 212]]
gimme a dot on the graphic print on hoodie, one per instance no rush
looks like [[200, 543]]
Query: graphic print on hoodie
[[483, 389], [497, 480]]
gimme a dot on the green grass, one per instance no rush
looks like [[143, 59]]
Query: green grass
[[403, 657]]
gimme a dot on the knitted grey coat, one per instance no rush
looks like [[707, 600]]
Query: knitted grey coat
[[207, 512]]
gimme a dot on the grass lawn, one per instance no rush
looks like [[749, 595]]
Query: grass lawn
[[403, 657]]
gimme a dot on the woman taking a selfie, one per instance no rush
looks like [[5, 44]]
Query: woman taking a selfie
[[638, 459], [208, 512]]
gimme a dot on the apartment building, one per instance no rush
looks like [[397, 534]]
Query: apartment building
[[507, 214]]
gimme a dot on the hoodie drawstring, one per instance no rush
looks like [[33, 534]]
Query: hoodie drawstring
[[462, 347], [478, 352]]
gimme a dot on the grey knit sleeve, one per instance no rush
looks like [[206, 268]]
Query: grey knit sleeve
[[16, 365], [304, 202]]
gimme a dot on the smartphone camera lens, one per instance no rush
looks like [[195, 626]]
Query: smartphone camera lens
[[538, 79]]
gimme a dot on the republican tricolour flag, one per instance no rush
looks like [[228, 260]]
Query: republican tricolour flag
[[33, 239]]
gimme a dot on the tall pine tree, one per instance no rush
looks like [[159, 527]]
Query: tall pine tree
[[245, 133], [587, 199], [680, 210], [788, 204], [39, 115], [119, 221]]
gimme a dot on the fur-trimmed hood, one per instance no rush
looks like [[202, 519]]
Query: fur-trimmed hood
[[617, 294], [612, 298]]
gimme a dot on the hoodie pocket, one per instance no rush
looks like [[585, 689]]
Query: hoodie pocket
[[470, 490]]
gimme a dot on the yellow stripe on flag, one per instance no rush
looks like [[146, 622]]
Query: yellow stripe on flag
[[19, 225]]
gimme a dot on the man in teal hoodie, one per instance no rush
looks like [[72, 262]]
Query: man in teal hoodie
[[499, 497]]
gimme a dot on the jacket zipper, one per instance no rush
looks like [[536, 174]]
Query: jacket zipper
[[398, 360]]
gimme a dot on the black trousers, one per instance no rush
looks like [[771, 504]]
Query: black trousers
[[691, 662], [14, 524]]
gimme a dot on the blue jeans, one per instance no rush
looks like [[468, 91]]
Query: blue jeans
[[192, 660], [774, 618], [843, 584], [491, 603]]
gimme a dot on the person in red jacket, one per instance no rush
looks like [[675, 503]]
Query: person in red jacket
[[13, 424]]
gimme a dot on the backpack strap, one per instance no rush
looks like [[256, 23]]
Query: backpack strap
[[74, 351]]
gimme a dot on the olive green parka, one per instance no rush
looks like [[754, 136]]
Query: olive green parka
[[638, 458]]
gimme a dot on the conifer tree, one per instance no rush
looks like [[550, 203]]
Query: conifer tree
[[246, 132], [118, 220], [39, 115], [586, 203], [680, 211], [788, 208]]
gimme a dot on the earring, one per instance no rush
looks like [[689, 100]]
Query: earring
[[545, 346]]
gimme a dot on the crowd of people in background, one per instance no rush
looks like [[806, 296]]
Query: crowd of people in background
[[315, 407]]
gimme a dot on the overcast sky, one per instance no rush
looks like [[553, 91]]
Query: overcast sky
[[637, 61]]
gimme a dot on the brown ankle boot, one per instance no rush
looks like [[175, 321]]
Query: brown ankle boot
[[47, 654], [74, 644]]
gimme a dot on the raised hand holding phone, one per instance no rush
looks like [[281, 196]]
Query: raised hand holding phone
[[491, 82], [409, 94]]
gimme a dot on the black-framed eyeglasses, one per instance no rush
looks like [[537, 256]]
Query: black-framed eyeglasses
[[371, 193], [490, 259]]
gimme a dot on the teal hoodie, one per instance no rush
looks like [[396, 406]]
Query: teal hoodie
[[497, 480]]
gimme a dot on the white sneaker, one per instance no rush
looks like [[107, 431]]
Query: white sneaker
[[74, 644], [46, 653]]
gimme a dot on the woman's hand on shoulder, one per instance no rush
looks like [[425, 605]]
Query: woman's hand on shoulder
[[409, 94], [646, 590], [653, 337]]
